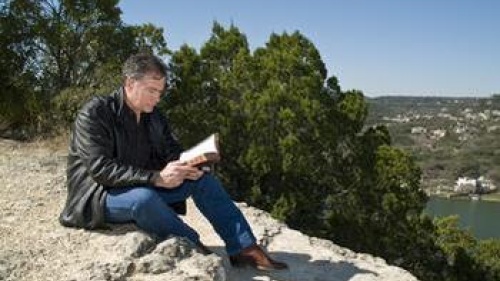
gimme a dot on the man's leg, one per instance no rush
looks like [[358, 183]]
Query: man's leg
[[216, 205], [145, 207], [148, 208]]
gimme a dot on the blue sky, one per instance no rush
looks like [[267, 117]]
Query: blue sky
[[384, 47]]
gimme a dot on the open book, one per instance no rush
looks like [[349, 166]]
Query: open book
[[204, 153]]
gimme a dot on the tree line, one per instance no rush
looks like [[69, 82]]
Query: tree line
[[293, 141]]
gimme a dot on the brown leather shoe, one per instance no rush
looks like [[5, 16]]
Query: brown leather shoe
[[255, 257]]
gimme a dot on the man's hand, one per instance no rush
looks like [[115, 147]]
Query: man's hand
[[175, 173]]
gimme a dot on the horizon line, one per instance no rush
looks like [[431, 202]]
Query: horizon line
[[433, 95]]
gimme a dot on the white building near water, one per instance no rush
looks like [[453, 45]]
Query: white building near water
[[469, 185], [465, 185], [487, 185]]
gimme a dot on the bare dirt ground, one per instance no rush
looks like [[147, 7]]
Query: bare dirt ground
[[33, 246]]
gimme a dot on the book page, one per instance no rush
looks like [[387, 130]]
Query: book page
[[209, 145]]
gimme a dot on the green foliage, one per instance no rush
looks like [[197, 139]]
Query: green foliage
[[85, 37], [294, 145], [467, 259], [149, 38], [452, 239], [354, 109], [14, 108], [16, 81], [380, 210], [285, 113], [268, 109], [293, 142], [468, 153], [70, 100], [488, 256]]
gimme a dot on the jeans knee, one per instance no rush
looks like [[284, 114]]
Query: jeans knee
[[145, 199], [208, 184], [209, 180]]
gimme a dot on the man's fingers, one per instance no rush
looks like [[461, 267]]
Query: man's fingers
[[176, 172], [194, 175], [177, 163], [186, 169]]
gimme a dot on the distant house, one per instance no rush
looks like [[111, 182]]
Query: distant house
[[418, 130], [492, 128], [470, 185], [465, 185], [398, 119], [447, 116], [483, 116], [470, 116], [486, 185], [437, 134], [460, 128]]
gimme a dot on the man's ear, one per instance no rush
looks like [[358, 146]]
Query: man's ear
[[129, 83]]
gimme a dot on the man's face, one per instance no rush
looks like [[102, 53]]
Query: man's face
[[144, 94]]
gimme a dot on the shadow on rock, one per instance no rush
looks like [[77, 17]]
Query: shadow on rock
[[302, 268]]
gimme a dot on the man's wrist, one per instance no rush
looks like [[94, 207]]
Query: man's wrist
[[155, 178]]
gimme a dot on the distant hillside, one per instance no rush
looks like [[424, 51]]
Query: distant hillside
[[449, 137]]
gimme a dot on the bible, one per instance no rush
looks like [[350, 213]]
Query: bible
[[204, 153]]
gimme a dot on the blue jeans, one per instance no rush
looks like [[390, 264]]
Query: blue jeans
[[148, 208]]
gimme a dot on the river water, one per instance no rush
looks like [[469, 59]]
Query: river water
[[481, 217]]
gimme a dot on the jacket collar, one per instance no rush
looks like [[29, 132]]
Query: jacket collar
[[121, 107], [119, 97]]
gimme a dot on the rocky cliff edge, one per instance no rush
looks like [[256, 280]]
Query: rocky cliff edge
[[33, 246]]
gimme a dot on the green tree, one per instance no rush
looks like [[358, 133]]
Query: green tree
[[187, 103], [268, 109], [380, 209], [295, 144], [62, 44], [459, 246], [16, 80], [487, 254], [207, 86], [286, 155], [206, 96]]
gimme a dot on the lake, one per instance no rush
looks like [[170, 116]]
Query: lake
[[482, 217]]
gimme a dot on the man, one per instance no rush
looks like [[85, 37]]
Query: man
[[123, 167]]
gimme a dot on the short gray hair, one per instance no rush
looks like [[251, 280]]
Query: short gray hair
[[144, 64]]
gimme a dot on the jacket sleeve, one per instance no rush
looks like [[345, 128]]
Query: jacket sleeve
[[94, 143]]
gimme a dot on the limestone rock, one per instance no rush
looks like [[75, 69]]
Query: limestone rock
[[34, 246], [134, 256]]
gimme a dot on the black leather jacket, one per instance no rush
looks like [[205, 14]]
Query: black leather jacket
[[109, 149]]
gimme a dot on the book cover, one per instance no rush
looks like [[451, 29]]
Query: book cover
[[204, 153]]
